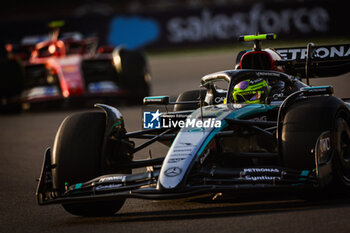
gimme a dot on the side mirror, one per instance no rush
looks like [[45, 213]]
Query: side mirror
[[156, 100], [318, 90]]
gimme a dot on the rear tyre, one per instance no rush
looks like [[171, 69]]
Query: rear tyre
[[193, 95], [135, 74], [77, 158], [11, 86]]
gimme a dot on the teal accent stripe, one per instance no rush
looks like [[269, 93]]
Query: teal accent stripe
[[156, 97], [317, 87], [298, 184], [114, 125], [305, 173]]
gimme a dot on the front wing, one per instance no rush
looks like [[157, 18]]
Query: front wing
[[204, 181]]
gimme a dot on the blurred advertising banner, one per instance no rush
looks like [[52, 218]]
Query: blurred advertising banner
[[208, 26], [223, 25]]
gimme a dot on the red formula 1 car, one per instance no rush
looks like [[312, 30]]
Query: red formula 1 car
[[71, 66]]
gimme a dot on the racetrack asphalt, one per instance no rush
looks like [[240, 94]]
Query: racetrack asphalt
[[24, 138]]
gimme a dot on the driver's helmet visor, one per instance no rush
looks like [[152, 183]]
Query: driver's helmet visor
[[248, 92]]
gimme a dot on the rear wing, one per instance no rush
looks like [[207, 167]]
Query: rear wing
[[324, 60]]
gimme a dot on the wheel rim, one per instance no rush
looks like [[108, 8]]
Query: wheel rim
[[343, 149]]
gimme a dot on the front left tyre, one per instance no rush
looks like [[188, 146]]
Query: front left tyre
[[77, 158]]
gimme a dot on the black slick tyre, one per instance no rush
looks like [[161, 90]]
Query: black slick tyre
[[341, 144], [303, 123], [135, 74], [77, 158]]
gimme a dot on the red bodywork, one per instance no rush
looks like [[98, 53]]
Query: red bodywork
[[261, 59], [66, 68], [54, 71]]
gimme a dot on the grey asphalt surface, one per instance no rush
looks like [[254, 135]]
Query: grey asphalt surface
[[24, 138]]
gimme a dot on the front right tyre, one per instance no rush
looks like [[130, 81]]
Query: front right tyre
[[304, 122], [341, 136]]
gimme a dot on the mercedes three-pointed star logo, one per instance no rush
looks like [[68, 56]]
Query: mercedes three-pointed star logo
[[173, 171]]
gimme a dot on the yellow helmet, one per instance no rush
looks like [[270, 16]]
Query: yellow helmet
[[250, 91]]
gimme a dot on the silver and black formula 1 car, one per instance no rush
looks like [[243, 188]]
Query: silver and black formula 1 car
[[299, 138]]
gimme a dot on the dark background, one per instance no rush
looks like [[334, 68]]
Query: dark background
[[201, 22]]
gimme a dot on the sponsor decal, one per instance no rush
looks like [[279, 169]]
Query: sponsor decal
[[113, 179], [219, 100], [323, 147], [184, 155], [261, 118], [175, 160], [104, 86], [205, 155], [182, 150], [173, 171], [210, 25], [278, 95], [267, 74], [317, 90], [237, 105], [133, 32], [262, 178], [40, 92], [186, 143], [331, 52], [255, 81], [70, 68], [325, 144], [109, 186], [257, 170]]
